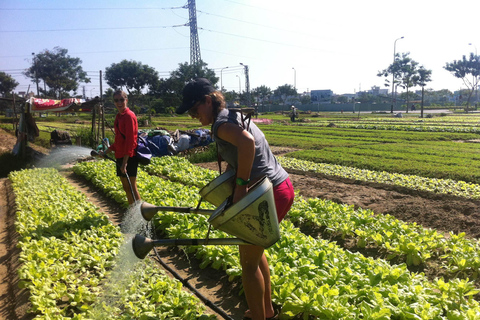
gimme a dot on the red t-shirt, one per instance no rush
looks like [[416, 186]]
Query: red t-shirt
[[126, 130]]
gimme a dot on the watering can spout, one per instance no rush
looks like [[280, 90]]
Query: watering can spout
[[142, 246], [148, 210]]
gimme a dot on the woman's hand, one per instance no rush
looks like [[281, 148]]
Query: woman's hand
[[123, 168], [239, 193]]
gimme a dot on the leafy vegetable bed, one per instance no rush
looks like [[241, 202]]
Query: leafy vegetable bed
[[310, 276], [428, 154], [69, 251], [413, 244], [445, 186]]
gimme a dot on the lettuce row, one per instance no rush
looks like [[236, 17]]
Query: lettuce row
[[68, 252], [318, 278], [442, 186]]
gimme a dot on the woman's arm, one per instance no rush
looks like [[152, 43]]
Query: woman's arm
[[245, 144], [130, 135]]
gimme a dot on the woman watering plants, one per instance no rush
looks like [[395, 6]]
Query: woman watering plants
[[126, 130], [246, 151]]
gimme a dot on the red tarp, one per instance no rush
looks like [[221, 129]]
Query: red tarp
[[65, 105]]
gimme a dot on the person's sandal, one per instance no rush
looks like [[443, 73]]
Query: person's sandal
[[274, 317]]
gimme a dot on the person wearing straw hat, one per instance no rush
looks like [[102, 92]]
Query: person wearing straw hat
[[246, 151], [124, 146]]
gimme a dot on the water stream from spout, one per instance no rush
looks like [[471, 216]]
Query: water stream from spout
[[63, 155], [133, 221], [126, 266], [110, 302]]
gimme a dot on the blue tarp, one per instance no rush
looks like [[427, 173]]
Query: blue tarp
[[159, 145], [164, 145]]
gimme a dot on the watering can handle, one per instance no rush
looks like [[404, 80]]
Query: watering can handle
[[149, 210]]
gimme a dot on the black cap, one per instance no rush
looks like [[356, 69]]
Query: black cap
[[193, 92]]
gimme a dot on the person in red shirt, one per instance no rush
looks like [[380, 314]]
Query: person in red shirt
[[126, 130]]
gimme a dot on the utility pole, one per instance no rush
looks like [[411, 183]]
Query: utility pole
[[247, 85], [102, 107], [195, 57], [35, 71], [394, 97]]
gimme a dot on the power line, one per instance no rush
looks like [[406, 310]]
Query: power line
[[257, 24], [106, 51], [85, 9], [92, 29], [273, 11], [256, 39]]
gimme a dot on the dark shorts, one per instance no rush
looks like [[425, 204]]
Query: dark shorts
[[132, 167], [284, 195]]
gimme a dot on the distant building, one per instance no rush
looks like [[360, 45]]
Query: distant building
[[376, 91], [350, 96], [321, 96], [26, 95]]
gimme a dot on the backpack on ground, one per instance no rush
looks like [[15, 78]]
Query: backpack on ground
[[143, 152]]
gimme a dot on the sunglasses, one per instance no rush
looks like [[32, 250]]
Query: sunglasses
[[119, 100], [193, 112]]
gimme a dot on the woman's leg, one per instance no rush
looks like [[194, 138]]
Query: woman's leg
[[133, 180], [284, 195], [132, 168], [256, 281], [267, 298], [128, 191]]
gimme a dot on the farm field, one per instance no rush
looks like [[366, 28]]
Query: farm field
[[442, 212]]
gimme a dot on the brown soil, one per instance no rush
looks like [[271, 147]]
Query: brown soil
[[437, 211], [444, 213]]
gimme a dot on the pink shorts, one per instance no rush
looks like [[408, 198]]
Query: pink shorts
[[284, 195]]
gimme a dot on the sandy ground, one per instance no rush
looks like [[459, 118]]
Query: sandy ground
[[445, 213]]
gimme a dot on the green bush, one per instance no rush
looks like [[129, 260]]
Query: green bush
[[86, 136]]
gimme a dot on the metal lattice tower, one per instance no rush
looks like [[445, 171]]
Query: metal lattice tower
[[195, 57]]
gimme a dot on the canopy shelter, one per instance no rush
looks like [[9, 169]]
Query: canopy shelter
[[64, 105], [26, 124]]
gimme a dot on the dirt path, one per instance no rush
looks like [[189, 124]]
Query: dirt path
[[13, 300], [442, 212]]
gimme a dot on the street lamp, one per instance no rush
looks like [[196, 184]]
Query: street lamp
[[476, 78], [393, 73], [35, 71], [239, 84], [294, 78], [221, 79]]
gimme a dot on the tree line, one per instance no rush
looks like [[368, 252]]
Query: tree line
[[407, 73], [57, 75]]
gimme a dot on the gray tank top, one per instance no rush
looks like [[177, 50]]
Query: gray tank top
[[264, 162]]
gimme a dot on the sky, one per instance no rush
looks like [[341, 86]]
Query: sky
[[338, 45]]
